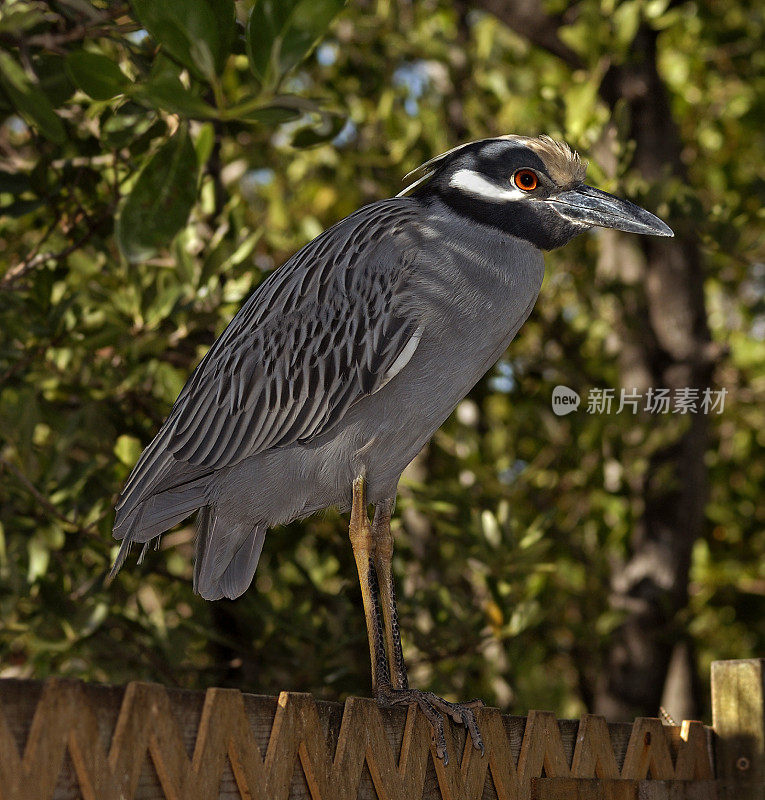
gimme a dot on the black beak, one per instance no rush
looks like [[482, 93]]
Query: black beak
[[588, 206]]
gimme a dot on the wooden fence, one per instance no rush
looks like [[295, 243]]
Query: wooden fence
[[66, 739]]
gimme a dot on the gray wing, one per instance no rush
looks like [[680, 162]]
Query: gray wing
[[329, 327]]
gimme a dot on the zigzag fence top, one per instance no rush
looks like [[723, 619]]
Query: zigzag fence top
[[65, 739]]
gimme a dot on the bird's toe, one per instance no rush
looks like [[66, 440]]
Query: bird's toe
[[435, 708], [464, 714]]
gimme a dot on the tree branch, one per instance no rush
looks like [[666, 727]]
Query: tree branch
[[52, 510], [23, 268], [35, 492], [100, 25]]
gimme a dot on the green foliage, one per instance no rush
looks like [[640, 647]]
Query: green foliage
[[30, 101], [148, 182], [280, 34], [96, 74], [160, 201], [197, 34]]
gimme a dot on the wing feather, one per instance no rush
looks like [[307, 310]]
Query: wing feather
[[317, 335]]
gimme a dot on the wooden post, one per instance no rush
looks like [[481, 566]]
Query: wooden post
[[738, 721]]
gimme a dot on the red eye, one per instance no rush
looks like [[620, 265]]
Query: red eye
[[526, 179]]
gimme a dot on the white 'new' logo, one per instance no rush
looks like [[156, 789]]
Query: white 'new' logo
[[564, 400]]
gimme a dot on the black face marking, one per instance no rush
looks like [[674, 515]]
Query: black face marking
[[497, 161]]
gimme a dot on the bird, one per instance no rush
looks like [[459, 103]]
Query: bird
[[344, 361]]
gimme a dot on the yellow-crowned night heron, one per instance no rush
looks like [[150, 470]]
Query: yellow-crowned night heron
[[343, 363]]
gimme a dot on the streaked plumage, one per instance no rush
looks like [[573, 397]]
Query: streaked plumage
[[344, 361], [413, 298], [317, 340]]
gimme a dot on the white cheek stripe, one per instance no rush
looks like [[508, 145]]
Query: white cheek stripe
[[476, 184]]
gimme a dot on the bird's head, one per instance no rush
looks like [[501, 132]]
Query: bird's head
[[532, 188]]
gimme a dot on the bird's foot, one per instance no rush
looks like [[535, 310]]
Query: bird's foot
[[435, 708]]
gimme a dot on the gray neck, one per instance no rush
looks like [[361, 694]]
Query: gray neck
[[482, 280]]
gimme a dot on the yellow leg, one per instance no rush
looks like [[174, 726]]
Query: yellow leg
[[360, 534], [382, 556], [397, 692]]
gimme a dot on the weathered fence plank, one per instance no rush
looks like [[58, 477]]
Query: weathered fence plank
[[738, 720], [577, 789], [67, 740]]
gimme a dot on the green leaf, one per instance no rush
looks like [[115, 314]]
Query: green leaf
[[311, 136], [145, 141], [225, 18], [626, 21], [121, 127], [160, 202], [29, 100], [53, 78], [204, 143], [268, 115], [281, 33], [97, 76], [18, 20], [165, 91], [195, 32], [127, 449], [281, 108], [39, 558]]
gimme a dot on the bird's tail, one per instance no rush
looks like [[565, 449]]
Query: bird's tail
[[227, 555], [151, 517]]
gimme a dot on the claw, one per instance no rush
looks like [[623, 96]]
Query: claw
[[441, 750], [430, 705], [469, 721], [437, 724]]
